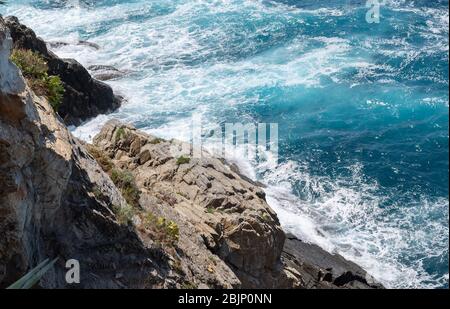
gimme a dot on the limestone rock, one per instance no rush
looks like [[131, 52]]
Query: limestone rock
[[206, 198], [213, 202]]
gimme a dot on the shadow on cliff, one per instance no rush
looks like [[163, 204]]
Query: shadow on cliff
[[110, 254]]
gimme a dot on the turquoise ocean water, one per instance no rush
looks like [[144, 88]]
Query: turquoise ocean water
[[362, 108]]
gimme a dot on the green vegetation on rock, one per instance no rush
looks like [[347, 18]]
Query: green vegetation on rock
[[30, 63], [102, 159], [120, 133], [183, 160], [124, 214], [35, 70], [124, 180], [55, 91], [164, 231]]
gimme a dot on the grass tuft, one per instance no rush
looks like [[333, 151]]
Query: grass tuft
[[120, 134], [124, 180], [183, 160], [30, 63], [55, 91], [124, 214]]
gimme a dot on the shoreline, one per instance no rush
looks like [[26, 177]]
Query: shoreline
[[303, 265], [363, 149], [315, 239]]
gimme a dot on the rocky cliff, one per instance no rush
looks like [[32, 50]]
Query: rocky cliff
[[134, 214], [85, 97]]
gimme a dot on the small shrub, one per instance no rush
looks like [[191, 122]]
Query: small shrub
[[38, 85], [183, 160], [34, 68], [210, 210], [124, 214], [55, 91], [149, 219], [30, 63], [164, 231], [121, 178], [120, 133], [172, 229], [124, 180]]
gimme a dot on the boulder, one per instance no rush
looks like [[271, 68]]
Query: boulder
[[106, 72], [320, 269]]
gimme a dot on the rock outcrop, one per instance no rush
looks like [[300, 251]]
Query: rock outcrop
[[85, 97], [226, 216], [106, 72], [221, 215], [47, 203], [319, 269], [134, 212]]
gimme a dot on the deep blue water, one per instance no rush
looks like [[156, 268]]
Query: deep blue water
[[362, 108]]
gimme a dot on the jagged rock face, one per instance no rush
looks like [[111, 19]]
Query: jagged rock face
[[210, 201], [219, 210], [84, 97], [106, 72], [47, 205], [320, 270], [10, 80], [57, 201]]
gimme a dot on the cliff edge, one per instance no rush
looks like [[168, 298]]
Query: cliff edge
[[85, 97], [132, 213]]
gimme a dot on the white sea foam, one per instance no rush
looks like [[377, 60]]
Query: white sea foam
[[348, 218]]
